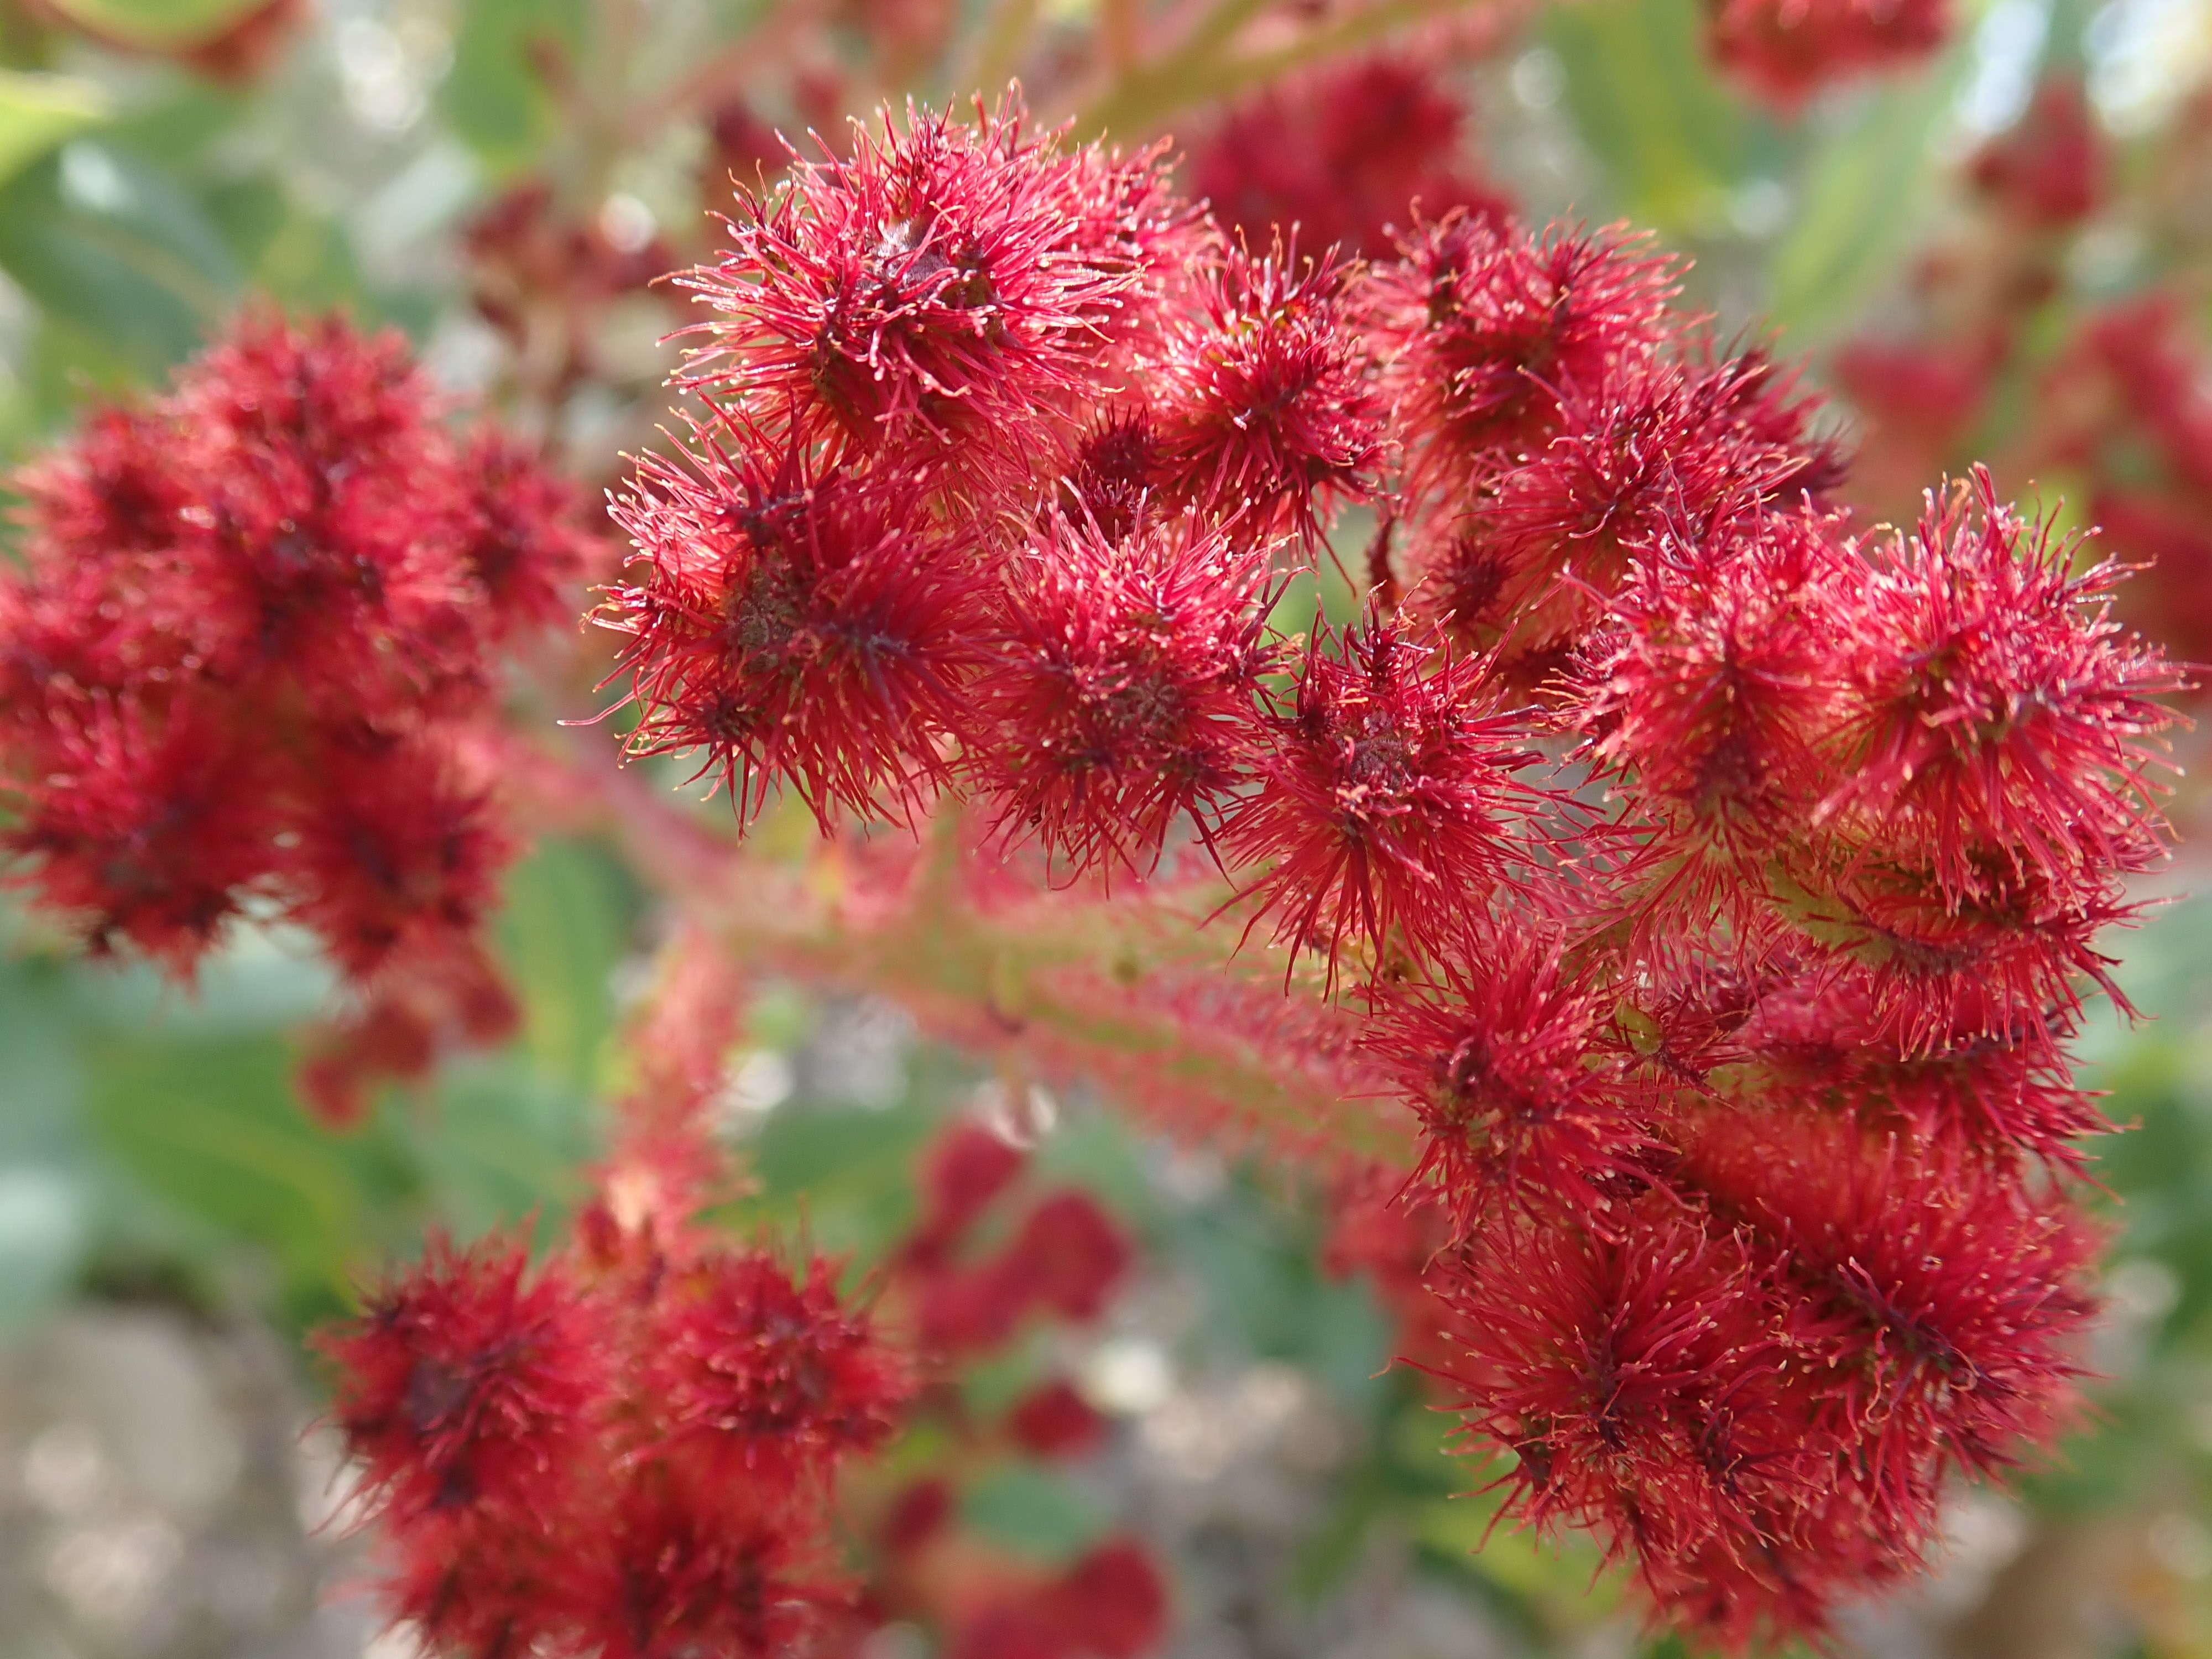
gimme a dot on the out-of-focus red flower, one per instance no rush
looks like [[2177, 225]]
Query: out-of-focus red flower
[[1342, 156], [1787, 49], [2049, 170], [1053, 1421]]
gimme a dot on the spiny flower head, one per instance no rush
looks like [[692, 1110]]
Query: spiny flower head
[[1952, 1303], [1387, 803], [795, 624], [1995, 713], [470, 1385], [758, 1374], [1642, 1383], [1481, 328], [1266, 413], [1126, 692], [1505, 1060], [945, 292]]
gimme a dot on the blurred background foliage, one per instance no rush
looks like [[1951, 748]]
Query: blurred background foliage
[[426, 163]]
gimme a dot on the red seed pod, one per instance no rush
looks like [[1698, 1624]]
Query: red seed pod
[[1503, 1058], [768, 1380], [1387, 805], [470, 1386], [1126, 694], [947, 294], [2050, 170], [1995, 716], [1266, 416], [1480, 329], [797, 625]]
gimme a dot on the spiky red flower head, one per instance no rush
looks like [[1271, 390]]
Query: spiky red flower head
[[1265, 407], [1642, 1384], [1388, 806], [950, 287], [1341, 156], [760, 1376], [1786, 50], [1504, 1059], [1481, 327], [2001, 1095], [795, 625], [1127, 694], [1951, 1305], [683, 1569], [1662, 450], [1713, 681], [468, 1386], [1116, 475], [1996, 715]]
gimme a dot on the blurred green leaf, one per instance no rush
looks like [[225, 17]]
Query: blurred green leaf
[[565, 925], [495, 97], [1859, 204], [106, 241], [37, 111], [1033, 1512], [1672, 138]]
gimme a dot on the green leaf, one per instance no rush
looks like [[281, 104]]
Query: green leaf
[[1032, 1512], [37, 111], [1673, 139], [1860, 205], [565, 925], [493, 97]]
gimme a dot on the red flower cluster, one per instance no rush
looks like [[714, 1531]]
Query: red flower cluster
[[1787, 49], [258, 622], [1720, 880], [623, 1454]]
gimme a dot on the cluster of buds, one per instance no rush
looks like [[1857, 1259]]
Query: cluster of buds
[[247, 665], [1717, 881]]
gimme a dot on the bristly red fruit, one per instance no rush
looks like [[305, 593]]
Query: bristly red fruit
[[1388, 806], [1267, 416], [1481, 329], [948, 295], [797, 624], [1126, 696]]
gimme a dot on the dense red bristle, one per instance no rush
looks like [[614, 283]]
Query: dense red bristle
[[791, 624], [1126, 696], [1504, 1060], [1267, 418], [949, 291], [1481, 328], [1388, 802], [1995, 713]]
